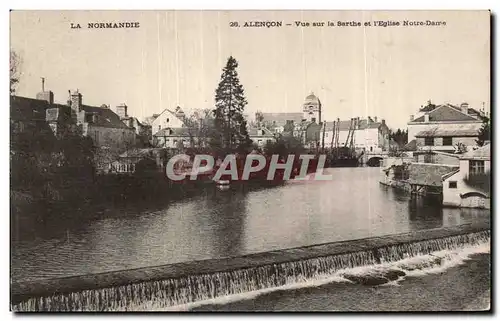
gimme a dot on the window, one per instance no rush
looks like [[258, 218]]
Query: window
[[452, 184], [259, 142], [168, 120], [447, 141], [428, 158], [159, 127], [476, 167], [429, 141]]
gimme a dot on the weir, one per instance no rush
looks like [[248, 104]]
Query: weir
[[183, 283]]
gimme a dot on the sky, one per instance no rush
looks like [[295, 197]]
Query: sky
[[175, 58]]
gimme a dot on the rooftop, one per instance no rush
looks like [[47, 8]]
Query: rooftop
[[280, 119], [446, 113], [482, 153], [253, 131], [182, 131], [344, 125], [462, 130]]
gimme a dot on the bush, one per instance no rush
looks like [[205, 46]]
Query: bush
[[480, 181]]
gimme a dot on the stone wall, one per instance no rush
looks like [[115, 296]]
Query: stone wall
[[115, 138]]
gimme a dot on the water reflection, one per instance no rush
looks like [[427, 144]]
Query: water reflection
[[425, 212], [225, 223]]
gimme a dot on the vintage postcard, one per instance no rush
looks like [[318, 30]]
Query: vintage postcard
[[250, 161]]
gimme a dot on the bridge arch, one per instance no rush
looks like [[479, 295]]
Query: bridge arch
[[374, 161], [473, 194]]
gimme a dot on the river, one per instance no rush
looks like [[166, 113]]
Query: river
[[226, 223]]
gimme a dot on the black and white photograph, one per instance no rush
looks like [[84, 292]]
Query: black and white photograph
[[250, 160]]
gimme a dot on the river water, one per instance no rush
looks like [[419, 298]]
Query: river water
[[226, 223]]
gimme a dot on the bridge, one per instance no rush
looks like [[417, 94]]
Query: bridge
[[373, 159]]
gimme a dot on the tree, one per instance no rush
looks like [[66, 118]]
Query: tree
[[484, 132], [200, 125], [230, 102], [15, 71], [400, 137]]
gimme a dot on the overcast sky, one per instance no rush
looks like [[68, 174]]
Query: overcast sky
[[175, 58]]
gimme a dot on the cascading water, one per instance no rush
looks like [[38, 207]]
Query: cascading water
[[195, 288]]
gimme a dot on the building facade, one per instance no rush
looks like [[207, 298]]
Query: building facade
[[261, 136], [172, 138], [279, 123], [368, 134], [168, 119], [444, 126], [101, 124], [458, 192]]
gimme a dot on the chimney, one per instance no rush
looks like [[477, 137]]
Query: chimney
[[412, 117], [121, 111], [375, 118], [464, 108], [383, 121], [104, 106], [48, 96], [426, 118], [76, 101]]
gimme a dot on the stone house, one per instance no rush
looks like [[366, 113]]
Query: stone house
[[443, 127], [142, 130], [457, 191], [172, 138], [101, 124]]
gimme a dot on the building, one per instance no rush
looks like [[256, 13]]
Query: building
[[457, 188], [277, 122], [172, 138], [311, 109], [281, 122], [142, 130], [31, 117], [443, 127], [261, 136], [168, 119], [101, 124], [369, 134], [128, 160]]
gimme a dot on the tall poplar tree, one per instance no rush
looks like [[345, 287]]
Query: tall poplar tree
[[230, 102]]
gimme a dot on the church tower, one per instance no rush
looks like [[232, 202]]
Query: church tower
[[312, 109]]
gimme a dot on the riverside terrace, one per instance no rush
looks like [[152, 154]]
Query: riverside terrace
[[173, 283]]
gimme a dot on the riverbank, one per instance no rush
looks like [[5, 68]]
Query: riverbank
[[345, 253]]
